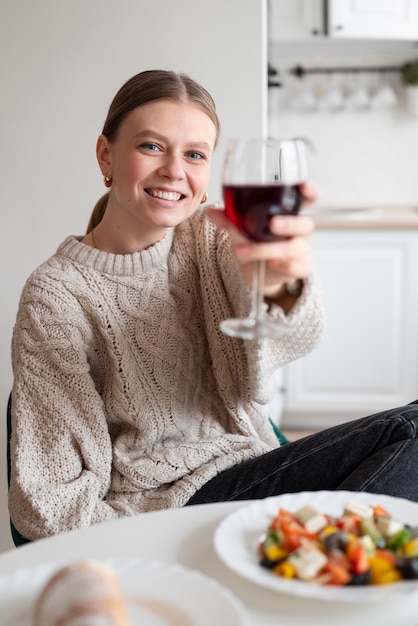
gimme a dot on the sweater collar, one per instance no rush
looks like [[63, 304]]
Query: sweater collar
[[117, 264]]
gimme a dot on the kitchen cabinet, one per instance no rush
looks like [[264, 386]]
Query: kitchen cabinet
[[368, 359], [307, 20], [295, 20], [373, 19]]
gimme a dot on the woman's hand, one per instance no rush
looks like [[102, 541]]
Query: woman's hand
[[286, 259]]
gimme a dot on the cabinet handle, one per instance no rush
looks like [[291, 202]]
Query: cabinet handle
[[315, 32]]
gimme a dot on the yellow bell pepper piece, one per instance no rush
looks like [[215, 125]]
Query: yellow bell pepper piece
[[328, 530], [383, 571], [275, 553], [285, 570], [411, 548], [379, 564], [383, 578]]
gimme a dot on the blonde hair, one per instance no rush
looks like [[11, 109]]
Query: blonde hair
[[139, 90]]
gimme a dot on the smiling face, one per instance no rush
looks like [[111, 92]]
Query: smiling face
[[160, 167]]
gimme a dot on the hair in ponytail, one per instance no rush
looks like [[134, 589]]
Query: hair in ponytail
[[97, 213]]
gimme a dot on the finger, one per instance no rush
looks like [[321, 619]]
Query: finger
[[277, 273], [278, 270], [310, 192], [218, 217], [284, 225], [298, 267], [292, 225], [281, 252]]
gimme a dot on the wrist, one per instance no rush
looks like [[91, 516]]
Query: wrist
[[287, 295]]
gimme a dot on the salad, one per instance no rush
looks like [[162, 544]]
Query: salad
[[365, 545]]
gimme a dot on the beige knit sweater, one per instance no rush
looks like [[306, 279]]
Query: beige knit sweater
[[126, 396]]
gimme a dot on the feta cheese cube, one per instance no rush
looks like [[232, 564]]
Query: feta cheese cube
[[356, 508], [307, 562], [388, 526], [311, 519]]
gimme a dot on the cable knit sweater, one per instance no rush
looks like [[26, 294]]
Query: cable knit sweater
[[127, 398]]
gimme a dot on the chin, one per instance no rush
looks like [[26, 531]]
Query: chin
[[169, 221]]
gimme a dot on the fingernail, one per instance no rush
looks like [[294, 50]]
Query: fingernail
[[279, 222], [242, 250]]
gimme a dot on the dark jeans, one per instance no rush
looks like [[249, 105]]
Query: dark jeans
[[378, 454]]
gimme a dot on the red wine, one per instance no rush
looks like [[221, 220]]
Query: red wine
[[250, 207]]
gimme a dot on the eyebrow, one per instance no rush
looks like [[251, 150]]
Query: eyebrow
[[203, 145]]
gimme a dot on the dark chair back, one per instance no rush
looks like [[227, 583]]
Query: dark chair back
[[18, 539]]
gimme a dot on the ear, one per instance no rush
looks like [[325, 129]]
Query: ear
[[103, 155]]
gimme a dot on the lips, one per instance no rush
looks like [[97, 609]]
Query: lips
[[172, 196]]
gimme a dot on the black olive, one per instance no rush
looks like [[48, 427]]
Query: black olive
[[408, 567], [269, 564], [365, 578], [335, 542]]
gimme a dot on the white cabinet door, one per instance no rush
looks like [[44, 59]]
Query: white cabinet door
[[373, 19], [368, 359], [295, 19]]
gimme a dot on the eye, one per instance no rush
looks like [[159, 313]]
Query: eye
[[196, 155], [151, 147]]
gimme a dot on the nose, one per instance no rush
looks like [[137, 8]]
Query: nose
[[172, 166]]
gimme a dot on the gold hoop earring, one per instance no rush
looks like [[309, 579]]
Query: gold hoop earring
[[107, 181], [204, 198]]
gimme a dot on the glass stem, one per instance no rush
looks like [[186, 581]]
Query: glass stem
[[257, 308]]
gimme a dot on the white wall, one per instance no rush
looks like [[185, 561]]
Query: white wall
[[61, 61]]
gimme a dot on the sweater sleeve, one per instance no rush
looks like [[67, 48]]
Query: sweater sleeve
[[60, 448], [254, 362]]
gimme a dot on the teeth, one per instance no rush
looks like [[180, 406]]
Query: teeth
[[165, 195]]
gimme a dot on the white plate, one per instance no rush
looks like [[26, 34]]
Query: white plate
[[237, 536], [157, 594]]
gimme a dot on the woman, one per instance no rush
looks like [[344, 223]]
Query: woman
[[127, 398]]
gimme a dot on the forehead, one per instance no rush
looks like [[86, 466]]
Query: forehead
[[171, 118]]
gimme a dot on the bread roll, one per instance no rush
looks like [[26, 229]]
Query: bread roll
[[84, 593]]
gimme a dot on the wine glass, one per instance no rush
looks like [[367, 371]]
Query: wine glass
[[332, 98], [358, 97], [261, 178], [384, 97]]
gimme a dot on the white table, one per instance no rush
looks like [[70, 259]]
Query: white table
[[185, 536]]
